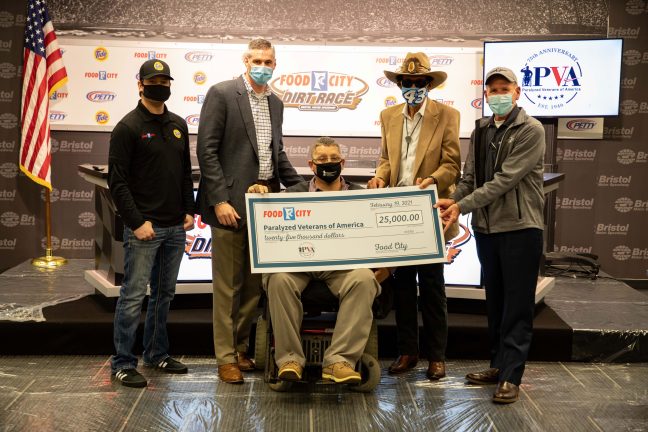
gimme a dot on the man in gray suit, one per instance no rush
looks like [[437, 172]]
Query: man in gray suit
[[240, 149]]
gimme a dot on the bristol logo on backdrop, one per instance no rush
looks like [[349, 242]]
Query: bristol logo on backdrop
[[551, 78]]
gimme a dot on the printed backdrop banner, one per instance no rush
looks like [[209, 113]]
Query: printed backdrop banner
[[326, 90]]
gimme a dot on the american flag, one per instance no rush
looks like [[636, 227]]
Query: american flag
[[43, 73]]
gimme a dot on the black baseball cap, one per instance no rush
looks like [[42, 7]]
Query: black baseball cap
[[151, 68]]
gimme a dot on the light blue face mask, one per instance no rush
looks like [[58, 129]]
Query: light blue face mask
[[261, 74], [501, 104], [414, 95]]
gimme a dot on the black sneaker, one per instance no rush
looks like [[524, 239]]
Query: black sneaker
[[170, 365], [130, 378]]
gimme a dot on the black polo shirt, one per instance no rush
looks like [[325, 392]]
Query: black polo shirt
[[149, 168]]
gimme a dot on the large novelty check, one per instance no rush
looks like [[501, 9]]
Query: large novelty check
[[313, 231]]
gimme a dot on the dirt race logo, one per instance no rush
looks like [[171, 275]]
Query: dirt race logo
[[319, 90]]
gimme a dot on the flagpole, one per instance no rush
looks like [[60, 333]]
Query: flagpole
[[48, 261]]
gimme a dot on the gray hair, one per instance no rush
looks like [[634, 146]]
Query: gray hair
[[258, 44]]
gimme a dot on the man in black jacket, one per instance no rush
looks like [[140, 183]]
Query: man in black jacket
[[149, 176]]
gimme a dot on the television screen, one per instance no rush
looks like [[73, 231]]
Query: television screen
[[567, 78]]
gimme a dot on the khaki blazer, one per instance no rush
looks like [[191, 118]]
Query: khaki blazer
[[437, 152]]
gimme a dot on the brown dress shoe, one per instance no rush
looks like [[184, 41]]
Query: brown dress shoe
[[506, 393], [230, 373], [245, 363], [488, 376], [403, 363], [436, 370]]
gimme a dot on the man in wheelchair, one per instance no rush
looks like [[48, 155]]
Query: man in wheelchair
[[356, 290]]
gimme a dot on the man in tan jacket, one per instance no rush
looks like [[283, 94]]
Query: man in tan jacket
[[420, 145]]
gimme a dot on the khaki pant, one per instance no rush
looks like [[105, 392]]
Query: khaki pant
[[356, 290], [236, 294]]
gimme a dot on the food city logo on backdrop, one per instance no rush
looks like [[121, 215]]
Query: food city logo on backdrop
[[628, 157], [322, 91], [11, 219], [551, 78], [627, 204], [58, 96], [101, 75], [150, 55]]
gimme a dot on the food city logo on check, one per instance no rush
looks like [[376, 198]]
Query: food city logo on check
[[287, 213], [319, 90], [551, 78]]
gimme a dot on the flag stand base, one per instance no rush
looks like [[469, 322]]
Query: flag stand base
[[49, 261]]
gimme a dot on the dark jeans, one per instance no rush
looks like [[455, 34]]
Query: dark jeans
[[433, 304], [510, 263], [157, 260]]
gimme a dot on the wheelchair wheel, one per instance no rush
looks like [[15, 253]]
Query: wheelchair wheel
[[260, 343], [280, 386], [372, 342], [370, 372]]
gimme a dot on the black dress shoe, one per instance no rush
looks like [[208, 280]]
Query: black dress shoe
[[436, 370], [488, 376], [403, 363], [506, 393]]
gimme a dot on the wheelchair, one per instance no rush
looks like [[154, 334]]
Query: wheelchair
[[320, 312]]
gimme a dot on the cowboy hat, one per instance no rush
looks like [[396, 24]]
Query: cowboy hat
[[417, 64]]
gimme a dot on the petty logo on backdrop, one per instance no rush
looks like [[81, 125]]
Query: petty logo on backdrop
[[319, 90]]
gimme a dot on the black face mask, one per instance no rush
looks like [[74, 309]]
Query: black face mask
[[158, 93], [329, 172]]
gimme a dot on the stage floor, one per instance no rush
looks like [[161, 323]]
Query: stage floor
[[75, 393], [582, 319]]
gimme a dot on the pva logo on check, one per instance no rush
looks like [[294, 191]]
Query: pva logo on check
[[287, 213]]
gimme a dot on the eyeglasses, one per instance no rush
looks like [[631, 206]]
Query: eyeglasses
[[323, 160], [418, 83]]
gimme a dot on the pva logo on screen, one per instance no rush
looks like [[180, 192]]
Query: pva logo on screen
[[101, 54], [102, 117], [551, 78], [319, 90]]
